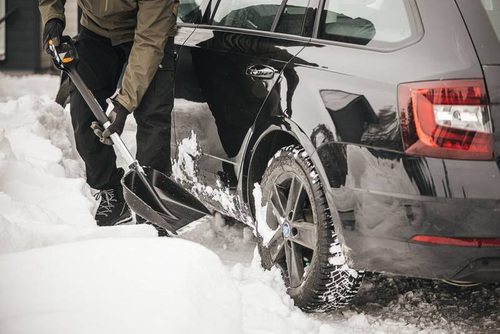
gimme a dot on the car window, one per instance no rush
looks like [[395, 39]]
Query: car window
[[366, 22], [292, 18], [492, 8], [246, 14], [189, 11]]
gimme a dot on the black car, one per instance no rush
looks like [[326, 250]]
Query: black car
[[355, 135], [368, 124]]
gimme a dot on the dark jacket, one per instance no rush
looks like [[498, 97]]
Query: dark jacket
[[146, 23]]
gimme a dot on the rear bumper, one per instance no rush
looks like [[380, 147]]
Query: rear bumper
[[378, 233], [387, 200]]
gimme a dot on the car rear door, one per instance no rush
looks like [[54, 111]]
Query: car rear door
[[226, 70], [483, 22]]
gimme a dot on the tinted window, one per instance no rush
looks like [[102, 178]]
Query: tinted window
[[293, 17], [366, 22], [189, 11], [246, 14]]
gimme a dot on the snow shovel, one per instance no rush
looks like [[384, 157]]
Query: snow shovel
[[148, 192]]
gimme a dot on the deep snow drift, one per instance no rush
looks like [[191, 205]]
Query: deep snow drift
[[118, 286], [62, 274]]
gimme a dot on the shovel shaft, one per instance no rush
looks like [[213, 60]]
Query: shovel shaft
[[122, 148], [88, 96]]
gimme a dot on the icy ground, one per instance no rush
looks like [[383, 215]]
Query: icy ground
[[62, 274]]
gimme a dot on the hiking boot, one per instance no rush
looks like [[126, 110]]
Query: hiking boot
[[112, 210]]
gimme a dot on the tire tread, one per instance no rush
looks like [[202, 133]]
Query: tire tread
[[333, 286]]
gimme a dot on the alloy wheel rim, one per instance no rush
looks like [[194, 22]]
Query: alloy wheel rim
[[294, 241]]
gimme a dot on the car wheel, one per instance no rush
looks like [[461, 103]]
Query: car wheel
[[303, 242]]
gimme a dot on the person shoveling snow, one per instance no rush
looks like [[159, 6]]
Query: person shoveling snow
[[94, 63]]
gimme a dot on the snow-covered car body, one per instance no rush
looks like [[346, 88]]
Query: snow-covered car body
[[375, 93]]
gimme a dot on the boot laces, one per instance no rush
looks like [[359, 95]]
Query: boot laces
[[106, 205]]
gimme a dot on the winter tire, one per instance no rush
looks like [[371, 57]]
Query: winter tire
[[304, 244]]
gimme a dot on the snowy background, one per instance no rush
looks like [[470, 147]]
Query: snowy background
[[60, 273]]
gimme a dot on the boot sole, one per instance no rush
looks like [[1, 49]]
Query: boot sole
[[123, 221]]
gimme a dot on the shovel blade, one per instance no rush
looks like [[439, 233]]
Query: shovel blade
[[164, 203]]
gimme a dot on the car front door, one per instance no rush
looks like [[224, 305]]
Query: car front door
[[226, 70]]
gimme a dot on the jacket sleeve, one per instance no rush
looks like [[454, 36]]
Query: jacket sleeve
[[155, 20], [51, 9]]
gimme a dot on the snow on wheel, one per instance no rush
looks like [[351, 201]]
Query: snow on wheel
[[299, 235]]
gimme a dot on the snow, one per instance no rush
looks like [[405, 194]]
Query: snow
[[63, 274], [184, 171], [43, 197], [118, 286], [262, 228], [183, 168]]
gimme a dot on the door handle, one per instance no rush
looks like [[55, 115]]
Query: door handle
[[261, 72]]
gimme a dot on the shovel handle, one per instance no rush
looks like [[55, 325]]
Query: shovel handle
[[64, 55], [122, 148], [89, 97], [99, 114]]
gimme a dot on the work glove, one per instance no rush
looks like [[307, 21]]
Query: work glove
[[117, 117], [53, 30]]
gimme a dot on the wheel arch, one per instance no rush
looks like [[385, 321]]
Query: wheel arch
[[279, 133], [270, 141]]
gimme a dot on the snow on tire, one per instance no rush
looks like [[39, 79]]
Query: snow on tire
[[303, 242]]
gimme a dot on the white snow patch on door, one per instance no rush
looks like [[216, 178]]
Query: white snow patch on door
[[184, 168], [185, 171]]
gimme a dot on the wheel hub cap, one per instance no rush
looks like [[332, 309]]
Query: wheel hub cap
[[286, 229]]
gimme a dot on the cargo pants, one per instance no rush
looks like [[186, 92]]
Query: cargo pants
[[100, 66]]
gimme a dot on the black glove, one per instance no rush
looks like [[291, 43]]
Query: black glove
[[118, 117], [53, 30]]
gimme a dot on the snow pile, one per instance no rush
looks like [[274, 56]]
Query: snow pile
[[233, 242], [33, 174], [44, 199], [118, 286], [268, 309]]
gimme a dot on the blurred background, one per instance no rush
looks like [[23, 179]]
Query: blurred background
[[21, 35]]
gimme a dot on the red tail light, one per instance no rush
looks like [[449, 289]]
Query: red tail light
[[446, 119], [469, 242]]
